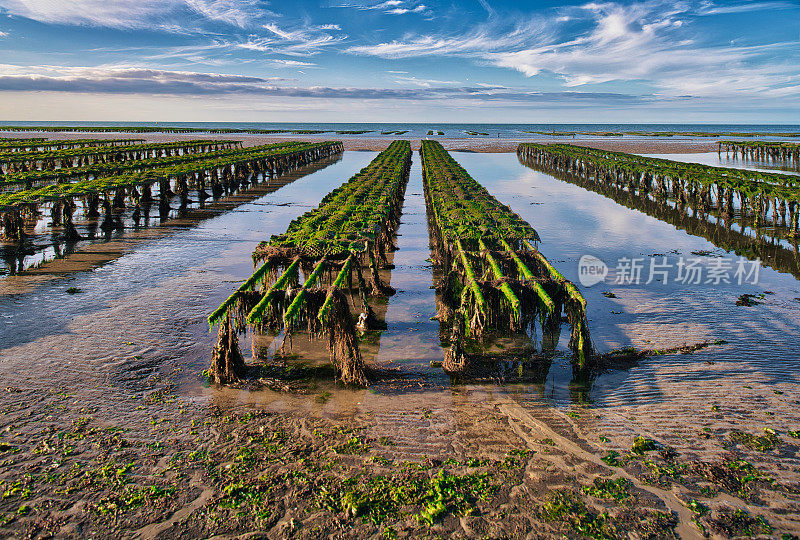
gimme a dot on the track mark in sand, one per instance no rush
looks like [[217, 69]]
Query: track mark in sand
[[519, 417], [154, 529], [415, 434]]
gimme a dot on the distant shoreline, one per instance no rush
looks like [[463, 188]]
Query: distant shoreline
[[652, 145]]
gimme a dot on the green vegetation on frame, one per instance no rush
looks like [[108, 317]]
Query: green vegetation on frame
[[37, 145], [77, 157], [220, 173], [13, 181], [778, 152], [730, 190], [333, 246], [495, 278]]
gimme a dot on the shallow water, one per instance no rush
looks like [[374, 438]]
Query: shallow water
[[153, 316], [721, 160], [143, 312], [573, 222]]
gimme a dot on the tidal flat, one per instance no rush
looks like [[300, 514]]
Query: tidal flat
[[109, 427]]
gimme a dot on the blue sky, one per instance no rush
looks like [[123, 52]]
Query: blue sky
[[400, 60]]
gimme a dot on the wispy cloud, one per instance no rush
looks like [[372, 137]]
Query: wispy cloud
[[156, 14], [489, 10], [390, 7], [646, 41], [712, 8], [280, 62], [484, 38], [649, 42], [306, 40], [116, 14], [241, 13]]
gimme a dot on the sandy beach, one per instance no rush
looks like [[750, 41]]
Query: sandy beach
[[653, 145]]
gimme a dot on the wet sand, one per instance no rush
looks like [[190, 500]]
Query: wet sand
[[373, 144], [471, 461], [107, 429]]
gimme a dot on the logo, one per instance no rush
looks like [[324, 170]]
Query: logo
[[591, 270]]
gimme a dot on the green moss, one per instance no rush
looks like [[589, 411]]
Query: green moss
[[672, 470], [602, 488], [381, 497], [565, 507], [17, 489], [354, 445], [132, 497], [643, 444], [740, 523], [697, 507], [611, 458], [761, 443], [243, 492]]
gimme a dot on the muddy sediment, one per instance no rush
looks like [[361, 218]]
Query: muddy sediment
[[386, 462]]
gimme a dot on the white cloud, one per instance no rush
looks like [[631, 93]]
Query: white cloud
[[424, 83], [485, 5], [136, 13], [116, 13], [390, 7], [278, 32], [471, 45], [304, 41], [648, 42], [240, 13], [402, 11], [710, 8], [278, 62], [123, 71]]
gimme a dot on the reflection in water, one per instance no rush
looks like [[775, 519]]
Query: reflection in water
[[742, 234], [776, 156], [756, 164], [140, 312], [162, 291], [512, 355]]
